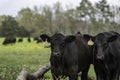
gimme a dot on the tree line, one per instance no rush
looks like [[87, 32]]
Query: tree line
[[86, 18]]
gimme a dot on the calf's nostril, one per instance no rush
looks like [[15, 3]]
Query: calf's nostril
[[100, 57]]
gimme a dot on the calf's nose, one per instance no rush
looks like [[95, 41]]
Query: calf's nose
[[56, 53], [101, 57]]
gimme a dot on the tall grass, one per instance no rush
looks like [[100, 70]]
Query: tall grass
[[16, 56]]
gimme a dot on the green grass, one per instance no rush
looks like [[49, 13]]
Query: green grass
[[29, 55]]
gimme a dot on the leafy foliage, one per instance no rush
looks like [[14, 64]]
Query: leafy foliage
[[86, 18]]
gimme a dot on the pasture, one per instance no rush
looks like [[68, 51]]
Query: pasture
[[29, 55]]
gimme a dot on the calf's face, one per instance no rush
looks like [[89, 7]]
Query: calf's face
[[102, 44], [57, 44]]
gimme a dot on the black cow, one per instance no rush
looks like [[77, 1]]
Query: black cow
[[69, 56], [9, 40], [45, 37], [36, 38], [20, 40], [39, 41], [28, 39], [107, 58], [6, 41], [13, 40]]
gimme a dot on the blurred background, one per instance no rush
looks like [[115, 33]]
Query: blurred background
[[29, 18]]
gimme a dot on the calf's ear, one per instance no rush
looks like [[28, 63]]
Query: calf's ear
[[90, 42], [69, 39], [112, 38], [89, 39]]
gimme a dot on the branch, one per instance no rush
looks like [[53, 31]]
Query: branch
[[25, 75]]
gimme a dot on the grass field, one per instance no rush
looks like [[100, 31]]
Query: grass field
[[29, 55]]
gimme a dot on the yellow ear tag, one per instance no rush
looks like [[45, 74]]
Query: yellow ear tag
[[90, 42]]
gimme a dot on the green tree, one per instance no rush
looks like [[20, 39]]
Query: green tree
[[25, 18], [104, 16], [34, 21], [70, 21], [86, 13], [103, 11], [86, 10], [58, 18], [9, 27], [48, 14], [23, 32]]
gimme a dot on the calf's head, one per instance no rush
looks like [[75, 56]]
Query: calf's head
[[102, 43], [58, 42]]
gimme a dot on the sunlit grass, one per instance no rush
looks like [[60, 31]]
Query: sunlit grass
[[16, 56]]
